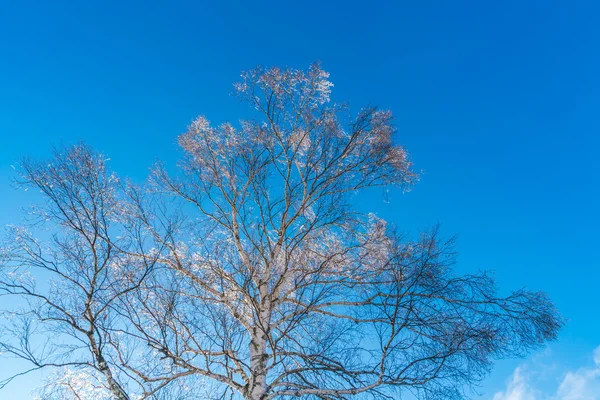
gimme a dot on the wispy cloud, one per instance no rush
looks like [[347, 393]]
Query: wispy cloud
[[580, 384], [518, 388]]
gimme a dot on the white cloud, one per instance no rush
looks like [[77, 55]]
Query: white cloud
[[583, 384], [518, 388], [580, 384]]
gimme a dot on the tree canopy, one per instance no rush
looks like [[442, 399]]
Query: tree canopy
[[251, 273]]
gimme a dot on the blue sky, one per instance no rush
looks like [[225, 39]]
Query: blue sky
[[497, 103]]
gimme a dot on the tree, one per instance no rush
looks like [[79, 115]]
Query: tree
[[68, 286], [273, 285]]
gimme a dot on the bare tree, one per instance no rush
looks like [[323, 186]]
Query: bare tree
[[268, 282], [285, 290], [66, 283]]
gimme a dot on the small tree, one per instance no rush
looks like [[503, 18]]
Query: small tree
[[67, 286], [276, 286], [78, 267]]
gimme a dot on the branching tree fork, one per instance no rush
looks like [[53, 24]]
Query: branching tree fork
[[265, 282]]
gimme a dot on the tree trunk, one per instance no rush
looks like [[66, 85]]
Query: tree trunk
[[258, 350], [117, 391], [113, 385], [258, 358]]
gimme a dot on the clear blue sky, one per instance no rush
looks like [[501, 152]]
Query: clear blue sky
[[497, 102]]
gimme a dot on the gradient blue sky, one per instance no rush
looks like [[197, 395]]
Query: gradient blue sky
[[497, 102]]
